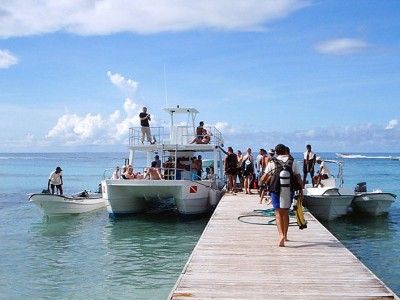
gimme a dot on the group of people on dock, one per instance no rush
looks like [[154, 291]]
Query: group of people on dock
[[274, 174]]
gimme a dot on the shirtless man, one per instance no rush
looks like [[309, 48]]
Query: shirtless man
[[153, 172]]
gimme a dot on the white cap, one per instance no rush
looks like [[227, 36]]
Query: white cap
[[318, 158]]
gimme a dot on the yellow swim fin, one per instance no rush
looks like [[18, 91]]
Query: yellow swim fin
[[299, 212]]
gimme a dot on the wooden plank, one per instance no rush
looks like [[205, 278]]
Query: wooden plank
[[237, 260]]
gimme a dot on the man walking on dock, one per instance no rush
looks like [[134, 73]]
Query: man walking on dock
[[284, 179]]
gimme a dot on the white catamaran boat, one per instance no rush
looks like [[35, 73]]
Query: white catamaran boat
[[373, 203], [331, 200], [57, 205], [175, 149]]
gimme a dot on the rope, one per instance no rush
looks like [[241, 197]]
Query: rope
[[265, 213]]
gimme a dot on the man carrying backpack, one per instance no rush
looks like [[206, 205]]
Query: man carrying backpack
[[284, 179]]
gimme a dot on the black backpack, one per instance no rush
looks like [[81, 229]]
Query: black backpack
[[274, 182], [248, 166], [231, 162]]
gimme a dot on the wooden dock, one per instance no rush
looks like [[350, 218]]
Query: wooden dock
[[237, 260]]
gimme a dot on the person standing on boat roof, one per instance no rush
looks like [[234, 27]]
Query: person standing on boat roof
[[55, 181], [144, 123], [308, 163]]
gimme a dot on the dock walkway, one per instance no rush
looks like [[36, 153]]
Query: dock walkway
[[237, 260]]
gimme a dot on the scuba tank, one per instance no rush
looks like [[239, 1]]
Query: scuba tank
[[284, 180]]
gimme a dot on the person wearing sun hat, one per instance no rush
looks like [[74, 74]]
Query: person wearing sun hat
[[322, 174], [55, 181]]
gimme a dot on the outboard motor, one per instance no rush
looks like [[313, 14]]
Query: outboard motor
[[361, 187]]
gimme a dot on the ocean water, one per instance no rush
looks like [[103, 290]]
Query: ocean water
[[91, 256]]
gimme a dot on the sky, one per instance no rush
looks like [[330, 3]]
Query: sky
[[74, 74]]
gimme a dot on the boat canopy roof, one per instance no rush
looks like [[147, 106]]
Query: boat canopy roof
[[181, 110]]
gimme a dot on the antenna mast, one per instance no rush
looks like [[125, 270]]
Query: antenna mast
[[165, 89]]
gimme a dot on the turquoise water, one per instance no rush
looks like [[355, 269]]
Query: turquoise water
[[95, 257]]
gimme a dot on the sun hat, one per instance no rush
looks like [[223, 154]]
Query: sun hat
[[318, 158]]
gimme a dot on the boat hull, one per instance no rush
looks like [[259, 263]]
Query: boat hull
[[135, 196], [327, 203], [373, 204], [56, 205]]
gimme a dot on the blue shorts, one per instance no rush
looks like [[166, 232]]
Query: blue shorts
[[281, 203]]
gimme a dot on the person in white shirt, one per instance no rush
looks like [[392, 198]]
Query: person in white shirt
[[308, 163], [116, 174], [55, 181], [323, 173]]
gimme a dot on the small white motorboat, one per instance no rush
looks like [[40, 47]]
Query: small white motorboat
[[56, 205], [330, 201], [373, 203]]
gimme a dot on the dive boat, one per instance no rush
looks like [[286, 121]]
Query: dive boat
[[331, 200], [178, 188], [56, 205], [373, 203]]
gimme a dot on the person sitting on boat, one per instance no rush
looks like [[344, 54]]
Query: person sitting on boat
[[322, 174], [116, 174], [55, 181], [206, 137], [123, 172], [153, 172], [129, 173], [199, 134]]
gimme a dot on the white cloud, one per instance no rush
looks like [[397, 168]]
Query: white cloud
[[122, 83], [340, 46], [392, 124], [225, 127], [72, 129], [95, 17], [7, 59]]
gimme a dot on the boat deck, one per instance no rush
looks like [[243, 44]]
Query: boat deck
[[237, 260]]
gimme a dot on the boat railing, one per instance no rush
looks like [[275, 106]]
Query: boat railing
[[166, 173], [178, 135], [157, 135], [339, 176]]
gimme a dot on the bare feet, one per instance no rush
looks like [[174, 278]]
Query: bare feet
[[281, 242]]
